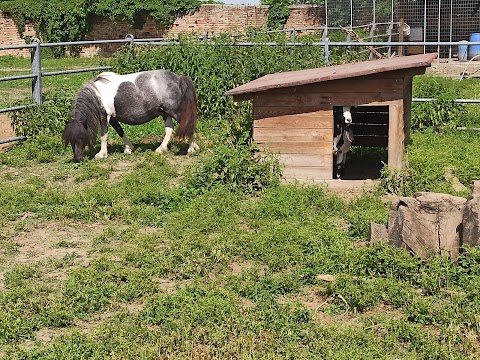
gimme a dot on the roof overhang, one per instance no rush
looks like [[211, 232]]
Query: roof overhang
[[330, 73]]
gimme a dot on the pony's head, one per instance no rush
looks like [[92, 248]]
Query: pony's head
[[78, 137], [81, 130]]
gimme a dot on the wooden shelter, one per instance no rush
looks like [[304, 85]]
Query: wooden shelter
[[293, 111]]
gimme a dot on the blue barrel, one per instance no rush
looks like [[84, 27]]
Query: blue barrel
[[474, 50], [463, 51]]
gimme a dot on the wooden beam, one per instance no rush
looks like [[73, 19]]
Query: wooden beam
[[292, 134], [297, 147], [302, 160], [407, 108], [396, 136], [308, 173]]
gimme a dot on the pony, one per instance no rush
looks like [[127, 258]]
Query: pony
[[342, 138], [132, 99]]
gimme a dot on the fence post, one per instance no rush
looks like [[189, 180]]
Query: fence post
[[130, 38], [36, 72], [327, 52]]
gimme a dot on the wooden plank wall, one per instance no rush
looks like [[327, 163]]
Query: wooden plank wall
[[370, 126], [297, 122], [302, 139]]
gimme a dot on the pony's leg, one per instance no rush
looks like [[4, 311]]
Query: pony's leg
[[128, 145], [193, 146], [168, 135], [103, 153]]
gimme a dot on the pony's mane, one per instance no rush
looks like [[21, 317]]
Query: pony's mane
[[84, 117], [104, 76]]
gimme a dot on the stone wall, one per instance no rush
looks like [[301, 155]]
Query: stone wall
[[209, 19]]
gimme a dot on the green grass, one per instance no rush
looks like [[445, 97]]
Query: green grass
[[20, 90], [167, 256], [140, 266]]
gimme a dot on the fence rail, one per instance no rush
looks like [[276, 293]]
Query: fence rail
[[37, 74]]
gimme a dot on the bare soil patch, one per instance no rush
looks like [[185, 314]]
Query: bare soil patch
[[52, 240], [120, 168], [6, 131]]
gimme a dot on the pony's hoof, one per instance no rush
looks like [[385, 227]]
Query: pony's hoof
[[127, 151], [192, 149], [161, 150], [101, 156]]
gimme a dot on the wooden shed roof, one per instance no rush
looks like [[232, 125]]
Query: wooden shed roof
[[335, 72]]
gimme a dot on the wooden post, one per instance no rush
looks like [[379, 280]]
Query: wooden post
[[396, 136], [407, 108], [400, 37]]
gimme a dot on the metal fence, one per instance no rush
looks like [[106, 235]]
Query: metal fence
[[431, 21], [370, 44]]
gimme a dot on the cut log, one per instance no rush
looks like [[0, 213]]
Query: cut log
[[427, 224], [471, 217]]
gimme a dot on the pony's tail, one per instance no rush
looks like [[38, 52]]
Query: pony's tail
[[188, 120]]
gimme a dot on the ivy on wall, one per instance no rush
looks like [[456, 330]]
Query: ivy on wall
[[69, 20], [279, 11]]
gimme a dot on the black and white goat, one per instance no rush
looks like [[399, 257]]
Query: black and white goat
[[342, 138]]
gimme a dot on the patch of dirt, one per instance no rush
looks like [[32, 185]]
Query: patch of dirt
[[315, 303], [308, 296], [46, 335], [342, 224], [454, 181], [85, 326], [6, 131], [119, 169], [43, 242], [237, 267], [51, 240], [246, 303], [170, 285], [350, 189], [134, 308]]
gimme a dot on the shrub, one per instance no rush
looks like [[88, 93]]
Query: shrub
[[442, 114], [238, 167], [47, 119]]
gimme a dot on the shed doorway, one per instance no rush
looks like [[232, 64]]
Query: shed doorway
[[369, 149]]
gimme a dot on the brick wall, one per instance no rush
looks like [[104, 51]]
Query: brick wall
[[305, 16], [210, 18], [214, 18], [9, 36]]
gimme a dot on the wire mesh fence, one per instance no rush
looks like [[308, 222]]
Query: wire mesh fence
[[408, 20]]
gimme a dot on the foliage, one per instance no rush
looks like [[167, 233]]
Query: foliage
[[216, 68], [237, 167], [164, 12], [46, 119], [432, 160], [442, 114], [55, 21], [278, 13], [66, 20]]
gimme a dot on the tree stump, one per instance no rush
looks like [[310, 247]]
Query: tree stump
[[471, 217], [427, 224]]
